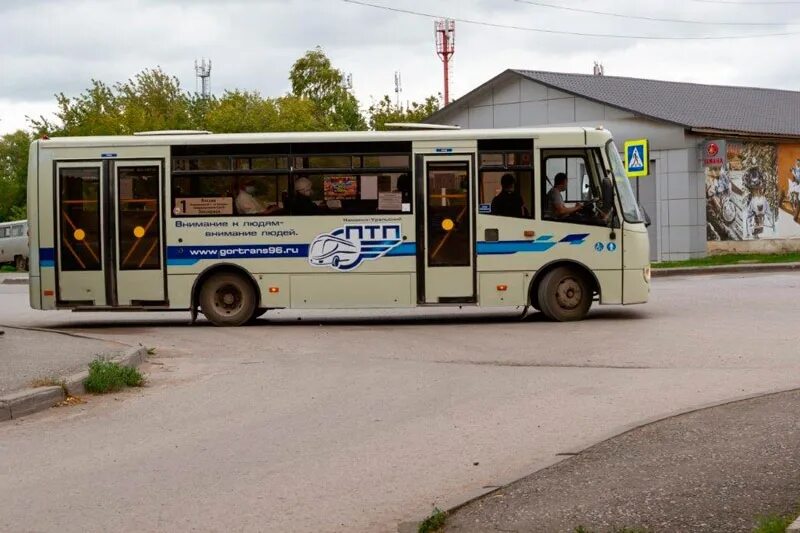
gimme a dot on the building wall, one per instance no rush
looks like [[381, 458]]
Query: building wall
[[680, 180]]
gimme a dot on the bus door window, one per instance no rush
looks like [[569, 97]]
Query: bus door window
[[79, 218]]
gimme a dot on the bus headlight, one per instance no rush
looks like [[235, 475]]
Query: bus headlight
[[646, 274]]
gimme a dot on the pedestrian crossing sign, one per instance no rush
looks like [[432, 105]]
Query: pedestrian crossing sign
[[636, 158]]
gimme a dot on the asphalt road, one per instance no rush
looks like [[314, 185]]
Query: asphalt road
[[357, 421]]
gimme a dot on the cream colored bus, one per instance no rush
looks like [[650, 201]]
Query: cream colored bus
[[235, 225]]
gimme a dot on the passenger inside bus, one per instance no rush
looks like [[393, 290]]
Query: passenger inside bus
[[303, 204], [248, 204], [508, 202]]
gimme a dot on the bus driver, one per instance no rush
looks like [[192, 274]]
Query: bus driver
[[555, 203]]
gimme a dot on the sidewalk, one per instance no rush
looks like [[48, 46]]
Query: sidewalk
[[28, 355], [746, 268], [714, 470]]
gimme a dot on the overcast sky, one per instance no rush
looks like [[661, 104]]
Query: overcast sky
[[50, 46]]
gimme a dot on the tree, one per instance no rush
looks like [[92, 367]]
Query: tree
[[384, 111], [13, 174], [152, 100], [241, 111], [314, 77]]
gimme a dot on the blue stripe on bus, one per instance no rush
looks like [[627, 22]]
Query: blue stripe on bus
[[47, 257], [190, 255], [541, 244]]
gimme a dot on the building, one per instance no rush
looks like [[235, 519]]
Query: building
[[723, 159]]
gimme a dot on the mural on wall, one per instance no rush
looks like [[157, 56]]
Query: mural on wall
[[749, 190]]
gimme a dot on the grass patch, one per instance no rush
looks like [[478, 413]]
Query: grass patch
[[434, 522], [731, 259], [773, 524], [7, 268], [108, 376]]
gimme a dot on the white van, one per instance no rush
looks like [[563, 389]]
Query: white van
[[14, 244]]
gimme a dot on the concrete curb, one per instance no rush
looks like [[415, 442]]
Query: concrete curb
[[28, 401], [794, 526], [724, 269], [453, 504], [15, 281]]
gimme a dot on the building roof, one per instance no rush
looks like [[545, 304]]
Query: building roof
[[699, 107]]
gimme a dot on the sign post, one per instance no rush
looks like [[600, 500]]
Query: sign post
[[637, 158]]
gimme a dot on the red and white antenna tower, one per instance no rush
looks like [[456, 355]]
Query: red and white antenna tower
[[445, 33]]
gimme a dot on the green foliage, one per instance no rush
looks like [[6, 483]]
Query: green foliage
[[384, 111], [773, 524], [434, 522], [108, 376], [13, 175], [314, 77], [152, 100]]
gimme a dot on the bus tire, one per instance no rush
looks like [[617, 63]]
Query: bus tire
[[21, 263], [227, 299], [564, 295]]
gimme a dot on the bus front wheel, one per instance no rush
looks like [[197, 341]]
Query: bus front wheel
[[227, 299], [21, 263], [564, 295]]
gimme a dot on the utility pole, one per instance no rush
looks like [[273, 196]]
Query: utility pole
[[397, 88], [203, 73], [445, 34]]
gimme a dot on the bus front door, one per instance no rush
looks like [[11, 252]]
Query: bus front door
[[448, 255], [110, 234]]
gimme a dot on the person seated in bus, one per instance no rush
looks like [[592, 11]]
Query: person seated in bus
[[555, 207], [248, 204], [303, 204], [508, 202]]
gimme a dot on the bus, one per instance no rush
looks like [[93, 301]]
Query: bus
[[234, 225], [14, 244]]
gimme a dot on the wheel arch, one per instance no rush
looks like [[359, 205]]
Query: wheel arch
[[580, 267], [216, 269]]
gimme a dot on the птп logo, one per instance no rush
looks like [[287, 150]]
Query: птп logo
[[347, 247]]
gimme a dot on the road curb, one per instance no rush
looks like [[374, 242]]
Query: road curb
[[794, 526], [724, 269], [28, 401], [453, 504]]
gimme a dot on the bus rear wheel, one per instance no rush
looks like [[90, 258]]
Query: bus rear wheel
[[564, 295], [227, 299], [21, 263]]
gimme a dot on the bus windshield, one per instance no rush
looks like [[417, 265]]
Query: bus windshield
[[630, 208]]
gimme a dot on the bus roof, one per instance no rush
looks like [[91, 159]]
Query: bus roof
[[193, 138]]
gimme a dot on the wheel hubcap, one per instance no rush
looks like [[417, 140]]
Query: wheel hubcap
[[228, 299], [569, 293]]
